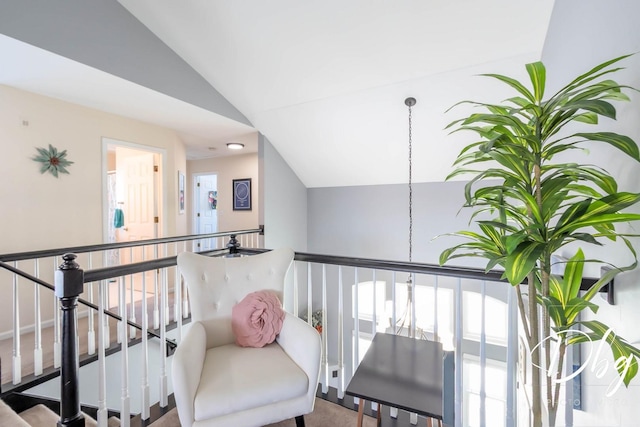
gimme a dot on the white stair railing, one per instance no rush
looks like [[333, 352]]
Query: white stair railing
[[425, 302]]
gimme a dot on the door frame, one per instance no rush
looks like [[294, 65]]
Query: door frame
[[163, 205]]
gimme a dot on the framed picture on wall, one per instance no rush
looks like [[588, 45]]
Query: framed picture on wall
[[242, 194], [180, 192]]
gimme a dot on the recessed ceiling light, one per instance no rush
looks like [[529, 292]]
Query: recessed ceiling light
[[235, 146]]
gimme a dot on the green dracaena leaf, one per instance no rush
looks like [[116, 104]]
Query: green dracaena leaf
[[537, 75], [514, 84], [588, 118], [573, 276], [522, 261], [621, 142], [575, 306]]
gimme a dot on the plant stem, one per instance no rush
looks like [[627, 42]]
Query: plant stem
[[553, 408], [523, 315], [536, 393]]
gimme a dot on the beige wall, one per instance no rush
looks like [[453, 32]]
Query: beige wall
[[41, 212], [227, 169]]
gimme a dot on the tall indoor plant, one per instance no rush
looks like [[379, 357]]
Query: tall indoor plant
[[528, 205]]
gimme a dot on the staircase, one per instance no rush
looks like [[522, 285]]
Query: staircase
[[40, 416]]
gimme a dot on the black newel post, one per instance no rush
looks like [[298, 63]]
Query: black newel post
[[69, 282], [233, 246]]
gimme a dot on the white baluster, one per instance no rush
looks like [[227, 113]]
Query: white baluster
[[17, 358], [185, 302], [102, 370], [185, 299], [104, 289], [177, 295], [125, 411], [295, 288], [374, 286], [458, 354], [167, 311], [325, 350], [309, 295], [393, 412], [57, 343], [435, 311], [37, 350], [145, 352], [394, 309], [132, 303], [156, 311], [91, 332], [356, 320], [483, 356], [341, 385], [413, 306], [164, 391], [374, 322], [512, 357]]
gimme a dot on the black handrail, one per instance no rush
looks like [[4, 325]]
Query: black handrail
[[409, 267], [19, 256], [106, 273]]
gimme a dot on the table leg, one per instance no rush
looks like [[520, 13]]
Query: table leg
[[429, 422], [360, 412], [379, 417]]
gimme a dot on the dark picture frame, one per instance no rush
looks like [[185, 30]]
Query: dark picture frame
[[181, 193], [242, 194]]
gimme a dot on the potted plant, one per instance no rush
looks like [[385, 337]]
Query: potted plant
[[528, 205]]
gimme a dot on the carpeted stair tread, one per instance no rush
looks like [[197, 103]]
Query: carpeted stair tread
[[41, 416], [9, 418]]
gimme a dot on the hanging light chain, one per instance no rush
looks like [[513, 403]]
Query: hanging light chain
[[410, 102], [410, 192]]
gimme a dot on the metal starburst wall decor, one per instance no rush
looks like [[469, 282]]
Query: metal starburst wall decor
[[52, 160]]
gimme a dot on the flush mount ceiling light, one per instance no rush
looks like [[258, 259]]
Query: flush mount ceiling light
[[235, 146]]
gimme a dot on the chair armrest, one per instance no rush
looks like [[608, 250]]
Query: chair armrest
[[187, 364], [303, 344]]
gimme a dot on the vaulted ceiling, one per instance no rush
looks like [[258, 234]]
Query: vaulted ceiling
[[325, 82]]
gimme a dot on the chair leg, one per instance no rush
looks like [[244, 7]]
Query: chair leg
[[300, 421]]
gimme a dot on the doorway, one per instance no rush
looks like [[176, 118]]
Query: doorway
[[132, 202], [205, 209]]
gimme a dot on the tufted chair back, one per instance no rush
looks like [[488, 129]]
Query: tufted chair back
[[216, 284]]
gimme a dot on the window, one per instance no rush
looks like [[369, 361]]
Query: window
[[495, 388], [495, 318]]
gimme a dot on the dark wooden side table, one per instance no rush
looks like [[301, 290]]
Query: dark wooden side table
[[404, 373]]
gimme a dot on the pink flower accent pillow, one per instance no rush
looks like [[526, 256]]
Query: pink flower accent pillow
[[257, 319]]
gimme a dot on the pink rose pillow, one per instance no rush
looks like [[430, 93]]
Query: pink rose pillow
[[257, 319]]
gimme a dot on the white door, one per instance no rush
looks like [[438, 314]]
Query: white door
[[206, 208], [135, 192]]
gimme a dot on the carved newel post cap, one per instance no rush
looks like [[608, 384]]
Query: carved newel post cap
[[69, 278], [69, 262], [233, 245]]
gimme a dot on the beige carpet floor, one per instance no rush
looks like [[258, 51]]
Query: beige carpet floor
[[324, 414]]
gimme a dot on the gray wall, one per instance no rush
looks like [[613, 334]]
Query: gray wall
[[104, 35], [283, 198], [373, 221]]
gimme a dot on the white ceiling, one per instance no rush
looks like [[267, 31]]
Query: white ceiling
[[325, 82]]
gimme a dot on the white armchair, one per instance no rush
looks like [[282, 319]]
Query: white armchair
[[218, 383]]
